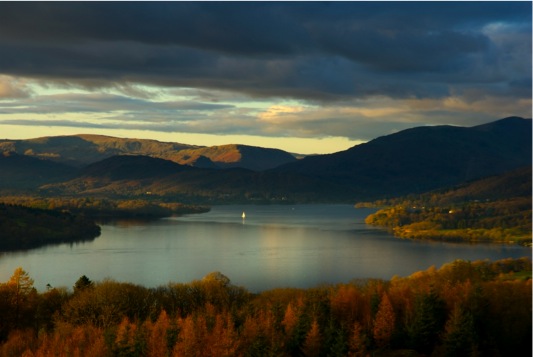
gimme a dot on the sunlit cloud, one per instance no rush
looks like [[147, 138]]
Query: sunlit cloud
[[13, 87]]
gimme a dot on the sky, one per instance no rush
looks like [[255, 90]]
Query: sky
[[305, 77]]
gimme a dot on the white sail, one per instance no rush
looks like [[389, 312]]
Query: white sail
[[243, 215]]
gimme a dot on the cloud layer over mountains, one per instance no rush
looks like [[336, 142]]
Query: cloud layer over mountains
[[350, 69]]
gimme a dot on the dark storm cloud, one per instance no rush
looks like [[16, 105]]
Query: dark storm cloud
[[243, 28], [321, 51]]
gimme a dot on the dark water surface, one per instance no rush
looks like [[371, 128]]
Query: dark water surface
[[275, 246]]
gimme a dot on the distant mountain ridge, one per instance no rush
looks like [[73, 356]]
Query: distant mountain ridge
[[411, 161], [84, 149], [81, 150]]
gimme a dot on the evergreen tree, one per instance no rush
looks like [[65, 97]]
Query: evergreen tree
[[428, 321], [82, 283], [459, 334]]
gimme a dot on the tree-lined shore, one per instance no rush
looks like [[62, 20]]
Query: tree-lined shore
[[32, 222], [496, 209]]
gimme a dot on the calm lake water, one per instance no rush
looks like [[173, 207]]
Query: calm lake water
[[275, 246]]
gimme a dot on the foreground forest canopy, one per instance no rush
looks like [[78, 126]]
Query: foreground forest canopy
[[464, 308]]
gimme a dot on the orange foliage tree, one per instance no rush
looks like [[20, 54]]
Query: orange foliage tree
[[384, 323]]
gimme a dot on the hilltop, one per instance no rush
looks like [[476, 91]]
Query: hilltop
[[230, 156]]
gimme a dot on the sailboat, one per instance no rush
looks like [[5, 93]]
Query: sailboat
[[243, 215]]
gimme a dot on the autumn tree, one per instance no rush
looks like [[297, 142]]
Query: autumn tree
[[313, 341], [20, 343], [70, 340], [347, 304], [107, 303], [158, 334], [357, 342], [289, 323], [48, 304], [222, 339], [192, 337], [20, 296], [129, 340], [384, 323]]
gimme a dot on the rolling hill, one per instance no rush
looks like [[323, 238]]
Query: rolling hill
[[230, 156], [25, 172], [131, 167], [135, 175]]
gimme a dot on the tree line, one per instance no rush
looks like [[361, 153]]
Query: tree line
[[100, 207], [29, 222], [25, 228], [462, 309]]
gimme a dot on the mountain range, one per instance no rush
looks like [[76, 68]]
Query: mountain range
[[410, 161], [82, 150]]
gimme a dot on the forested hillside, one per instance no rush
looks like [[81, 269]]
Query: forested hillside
[[462, 309], [129, 176], [424, 158], [24, 227], [24, 172], [496, 209]]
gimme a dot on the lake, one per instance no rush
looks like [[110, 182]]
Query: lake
[[275, 246]]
